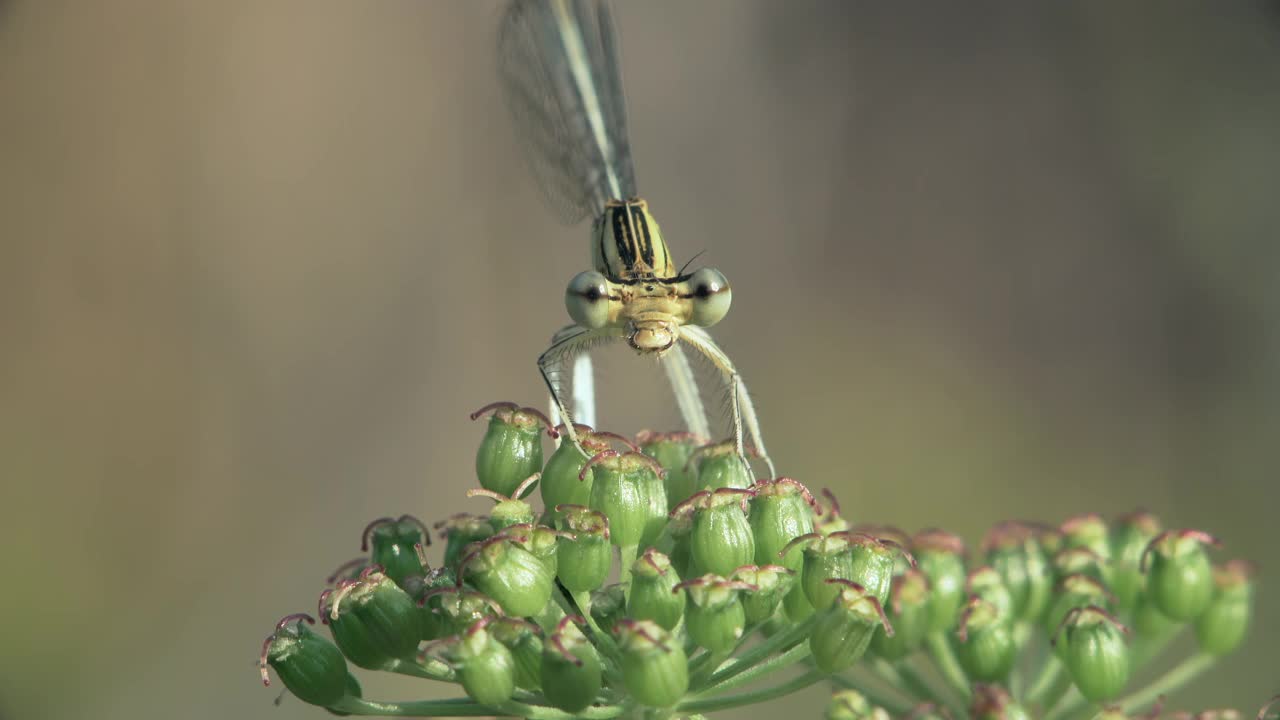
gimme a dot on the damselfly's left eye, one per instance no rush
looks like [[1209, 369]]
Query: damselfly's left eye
[[711, 297]]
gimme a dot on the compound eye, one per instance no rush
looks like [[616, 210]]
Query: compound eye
[[587, 299], [711, 297]]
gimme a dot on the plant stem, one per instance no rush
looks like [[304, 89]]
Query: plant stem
[[903, 676], [755, 696], [437, 670], [1179, 675], [875, 697], [762, 651], [773, 664], [1044, 680], [945, 658], [465, 707]]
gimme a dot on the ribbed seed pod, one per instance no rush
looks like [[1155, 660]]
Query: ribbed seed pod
[[673, 450], [940, 555], [719, 466], [1090, 531], [1096, 653], [1130, 535], [622, 490], [908, 612], [654, 666], [375, 623], [511, 450], [1223, 626], [781, 511], [521, 637], [308, 665], [502, 569], [844, 630], [720, 540], [825, 558], [571, 670], [714, 616], [458, 608], [1179, 575], [585, 554], [395, 543], [485, 666], [459, 532], [655, 592], [563, 481], [984, 644], [874, 563], [772, 583]]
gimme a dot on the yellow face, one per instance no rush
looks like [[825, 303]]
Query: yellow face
[[650, 312]]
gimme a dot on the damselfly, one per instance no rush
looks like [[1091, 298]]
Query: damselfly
[[558, 62]]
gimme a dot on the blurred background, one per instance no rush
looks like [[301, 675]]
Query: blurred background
[[259, 259]]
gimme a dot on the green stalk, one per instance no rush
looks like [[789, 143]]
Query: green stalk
[[755, 696], [762, 651], [945, 658], [895, 706], [437, 670], [465, 707], [1045, 680], [1179, 675], [773, 664]]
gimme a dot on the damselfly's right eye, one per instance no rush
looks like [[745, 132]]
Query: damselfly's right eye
[[587, 299]]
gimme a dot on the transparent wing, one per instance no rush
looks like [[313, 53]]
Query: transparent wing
[[558, 63]]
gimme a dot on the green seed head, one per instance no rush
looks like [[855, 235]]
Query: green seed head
[[1096, 653], [571, 670], [825, 558], [908, 612], [781, 510], [720, 540], [395, 546], [987, 583], [459, 532], [844, 630], [655, 592], [1076, 591], [485, 666], [1179, 575], [433, 623], [623, 490], [511, 450], [308, 665], [719, 466], [374, 622], [585, 554], [654, 666], [516, 579], [1088, 531], [457, 608], [563, 482], [1014, 550], [1130, 535], [851, 705], [984, 642], [674, 450], [875, 561], [715, 617], [772, 583], [541, 541], [940, 555], [1079, 561], [609, 605], [1222, 627], [521, 638]]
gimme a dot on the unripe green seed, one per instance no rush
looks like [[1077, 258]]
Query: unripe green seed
[[521, 638], [563, 479], [940, 555], [673, 451], [781, 511], [1096, 654], [541, 541], [874, 561], [395, 543], [719, 466], [609, 605], [1012, 548], [1130, 536], [308, 665], [986, 583], [908, 612], [511, 575], [1179, 575], [1222, 627], [654, 666], [844, 630], [459, 532], [1149, 623], [772, 583], [720, 540], [795, 604], [375, 623], [1076, 591], [655, 592], [511, 450], [433, 623], [1079, 561], [825, 558], [1090, 531], [585, 555], [622, 490], [571, 671], [714, 617], [984, 643], [485, 666], [457, 608]]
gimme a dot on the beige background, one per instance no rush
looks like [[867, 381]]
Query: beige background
[[258, 260]]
